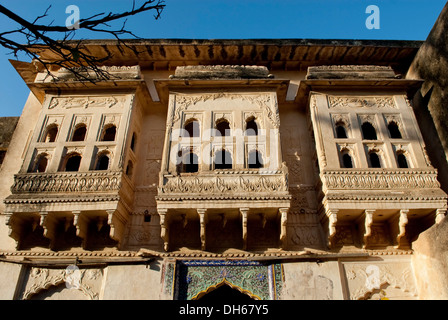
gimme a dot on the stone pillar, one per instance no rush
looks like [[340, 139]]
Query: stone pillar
[[402, 222], [164, 233], [202, 222], [244, 212], [283, 220], [368, 221], [332, 215], [81, 222]]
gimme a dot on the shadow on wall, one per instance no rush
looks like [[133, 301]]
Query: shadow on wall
[[431, 101]]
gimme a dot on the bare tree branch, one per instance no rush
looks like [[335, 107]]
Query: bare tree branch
[[69, 53]]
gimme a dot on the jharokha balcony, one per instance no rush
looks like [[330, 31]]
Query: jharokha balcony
[[239, 207], [379, 207], [80, 206]]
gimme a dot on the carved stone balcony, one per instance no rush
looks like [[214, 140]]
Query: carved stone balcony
[[379, 207], [48, 204], [237, 206]]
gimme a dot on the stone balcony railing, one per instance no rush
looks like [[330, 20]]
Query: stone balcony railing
[[66, 182], [229, 184], [379, 179]]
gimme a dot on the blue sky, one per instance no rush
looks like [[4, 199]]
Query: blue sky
[[231, 19]]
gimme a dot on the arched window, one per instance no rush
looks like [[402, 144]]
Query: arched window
[[223, 160], [102, 162], [347, 161], [402, 161], [255, 160], [41, 163], [368, 131], [73, 162], [190, 163], [374, 160], [109, 133], [251, 127], [223, 127], [50, 133], [394, 130], [80, 132], [129, 169], [341, 133], [133, 141], [191, 128]]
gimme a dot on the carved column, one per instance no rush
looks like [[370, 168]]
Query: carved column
[[402, 222], [244, 212], [283, 220], [48, 222], [368, 221], [202, 222], [332, 215], [164, 233], [440, 215], [81, 222]]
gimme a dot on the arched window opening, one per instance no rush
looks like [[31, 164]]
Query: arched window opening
[[402, 161], [251, 127], [51, 133], [133, 141], [41, 163], [192, 129], [255, 160], [80, 133], [347, 161], [73, 162], [109, 133], [374, 160], [341, 133], [394, 130], [129, 169], [368, 131], [223, 160], [103, 162], [190, 163], [223, 127]]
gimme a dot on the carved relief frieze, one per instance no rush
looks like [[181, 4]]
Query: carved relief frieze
[[88, 281], [265, 102], [361, 102], [225, 184], [364, 279], [85, 102]]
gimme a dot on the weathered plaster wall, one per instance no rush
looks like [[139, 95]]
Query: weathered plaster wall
[[132, 282], [8, 280], [14, 159]]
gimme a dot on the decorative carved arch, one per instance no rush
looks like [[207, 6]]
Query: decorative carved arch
[[222, 283]]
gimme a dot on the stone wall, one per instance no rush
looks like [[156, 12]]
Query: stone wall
[[430, 105]]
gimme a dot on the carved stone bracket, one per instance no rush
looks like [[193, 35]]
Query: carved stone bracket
[[368, 221], [244, 212], [164, 225], [283, 223], [203, 222]]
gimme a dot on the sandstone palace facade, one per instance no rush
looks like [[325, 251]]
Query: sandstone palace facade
[[274, 169]]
